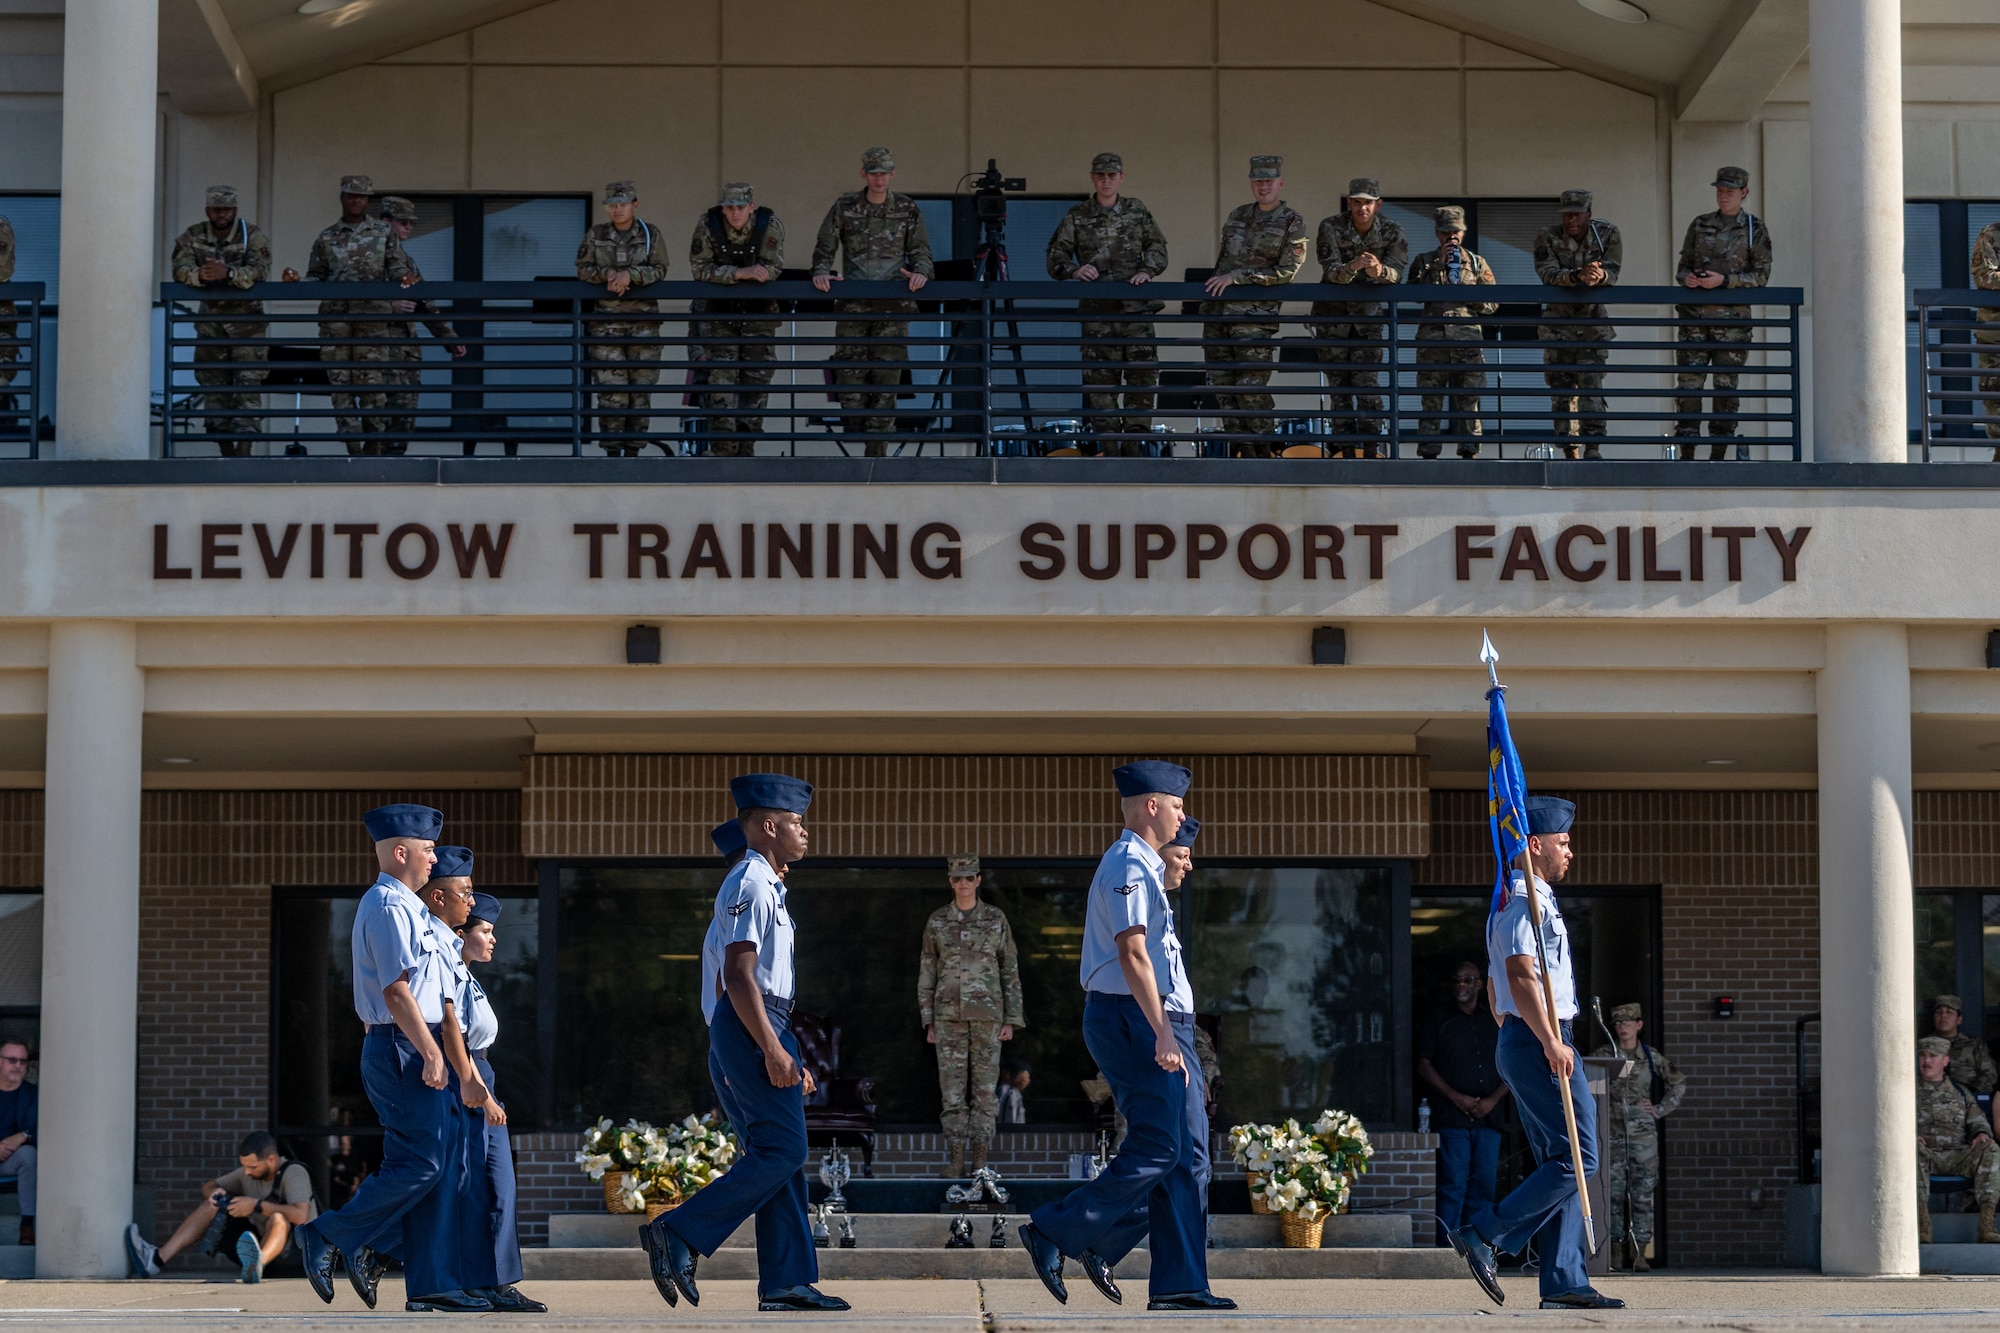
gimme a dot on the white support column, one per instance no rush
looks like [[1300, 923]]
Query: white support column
[[90, 948], [1867, 964], [104, 337], [1857, 217]]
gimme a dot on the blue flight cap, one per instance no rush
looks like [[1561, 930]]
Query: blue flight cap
[[404, 821], [485, 907], [771, 791], [1550, 814], [1190, 826], [452, 862], [1142, 777], [728, 837]]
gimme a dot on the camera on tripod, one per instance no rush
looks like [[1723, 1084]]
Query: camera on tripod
[[990, 190]]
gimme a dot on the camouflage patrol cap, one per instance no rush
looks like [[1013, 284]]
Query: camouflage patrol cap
[[1735, 177], [1364, 187], [1267, 168], [621, 192], [1107, 162], [878, 159], [961, 867], [399, 208], [1449, 217], [737, 194], [221, 196], [1575, 201], [1933, 1046], [1626, 1013], [1951, 1002], [356, 185]]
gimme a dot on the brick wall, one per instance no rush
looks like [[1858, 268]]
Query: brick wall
[[1739, 907]]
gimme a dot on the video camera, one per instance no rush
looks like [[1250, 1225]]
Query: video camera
[[990, 190]]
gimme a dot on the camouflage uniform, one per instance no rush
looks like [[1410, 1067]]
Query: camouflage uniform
[[8, 330], [1632, 1146], [1259, 249], [742, 364], [968, 988], [1986, 277], [875, 242], [1452, 344], [1122, 241], [1559, 257], [364, 251], [245, 251], [1740, 249], [406, 354], [1340, 244], [1971, 1061], [638, 251], [1948, 1120]]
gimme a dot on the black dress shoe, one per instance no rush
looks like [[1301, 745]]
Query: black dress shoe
[[805, 1297], [671, 1253], [656, 1261], [1047, 1259], [1099, 1274], [509, 1300], [364, 1274], [449, 1302], [1478, 1256], [1191, 1300], [1588, 1298], [319, 1259]]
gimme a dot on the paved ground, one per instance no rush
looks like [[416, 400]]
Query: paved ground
[[1751, 1301]]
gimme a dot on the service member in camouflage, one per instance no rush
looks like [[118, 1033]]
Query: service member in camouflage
[[1986, 277], [227, 251], [969, 994], [358, 248], [619, 254], [1633, 1160], [1578, 251], [1451, 264], [737, 241], [1111, 237], [1953, 1139], [879, 236], [1263, 245], [1971, 1061], [406, 354], [1357, 246], [1727, 248]]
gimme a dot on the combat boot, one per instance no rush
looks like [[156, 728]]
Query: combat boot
[[955, 1165], [979, 1150], [1987, 1235], [1639, 1264], [1923, 1220]]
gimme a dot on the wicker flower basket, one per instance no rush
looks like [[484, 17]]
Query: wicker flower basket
[[1299, 1233], [614, 1191], [654, 1207], [1257, 1202]]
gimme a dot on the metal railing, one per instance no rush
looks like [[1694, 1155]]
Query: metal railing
[[971, 369], [21, 363], [1954, 402]]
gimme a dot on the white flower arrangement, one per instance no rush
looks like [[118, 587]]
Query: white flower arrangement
[[668, 1163], [1305, 1171]]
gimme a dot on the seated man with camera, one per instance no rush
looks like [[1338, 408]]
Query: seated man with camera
[[249, 1213]]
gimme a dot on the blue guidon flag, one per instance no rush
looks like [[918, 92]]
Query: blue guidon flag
[[1506, 793]]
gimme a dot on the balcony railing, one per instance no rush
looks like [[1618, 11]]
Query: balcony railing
[[21, 363], [982, 369], [1956, 403]]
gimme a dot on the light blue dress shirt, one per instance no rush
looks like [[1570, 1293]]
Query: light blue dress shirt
[[395, 937], [1510, 932], [711, 970], [476, 1016], [1129, 889], [750, 909]]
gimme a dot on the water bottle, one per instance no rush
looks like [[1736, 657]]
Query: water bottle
[[1424, 1115]]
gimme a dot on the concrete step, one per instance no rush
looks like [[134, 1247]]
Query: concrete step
[[1955, 1228], [17, 1261], [836, 1265], [1957, 1258], [918, 1231]]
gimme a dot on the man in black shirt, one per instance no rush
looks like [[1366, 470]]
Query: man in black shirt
[[1455, 1056], [18, 1118]]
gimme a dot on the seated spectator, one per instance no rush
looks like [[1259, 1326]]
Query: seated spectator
[[1971, 1063], [250, 1212], [19, 1100], [1014, 1077]]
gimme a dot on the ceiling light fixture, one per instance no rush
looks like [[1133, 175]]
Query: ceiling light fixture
[[175, 759], [1720, 763], [1621, 11], [323, 6]]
